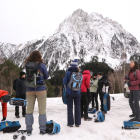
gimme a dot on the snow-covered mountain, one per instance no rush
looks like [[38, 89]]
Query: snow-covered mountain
[[83, 36]]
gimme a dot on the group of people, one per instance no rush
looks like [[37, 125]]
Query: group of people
[[93, 84]]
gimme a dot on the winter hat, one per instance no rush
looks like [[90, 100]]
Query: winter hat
[[95, 74], [74, 63], [22, 73], [6, 98]]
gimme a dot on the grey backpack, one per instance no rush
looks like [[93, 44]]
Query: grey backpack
[[34, 77], [75, 81]]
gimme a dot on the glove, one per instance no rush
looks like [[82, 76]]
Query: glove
[[129, 84], [127, 77], [4, 118]]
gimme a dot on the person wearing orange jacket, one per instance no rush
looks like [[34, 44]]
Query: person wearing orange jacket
[[4, 98]]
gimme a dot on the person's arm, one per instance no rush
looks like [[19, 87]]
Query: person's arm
[[4, 110], [17, 87], [137, 82], [45, 72], [66, 79], [88, 82]]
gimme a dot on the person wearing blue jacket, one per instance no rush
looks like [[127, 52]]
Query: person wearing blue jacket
[[40, 93], [72, 96]]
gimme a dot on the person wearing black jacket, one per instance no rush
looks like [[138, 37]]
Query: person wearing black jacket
[[20, 93], [102, 84]]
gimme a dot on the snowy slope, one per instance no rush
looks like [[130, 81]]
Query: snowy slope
[[83, 36], [110, 129]]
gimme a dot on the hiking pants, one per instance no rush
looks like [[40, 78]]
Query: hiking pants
[[134, 102], [77, 112], [41, 98], [101, 99], [84, 104], [94, 99]]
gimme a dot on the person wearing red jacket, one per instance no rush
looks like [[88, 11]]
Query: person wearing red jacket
[[4, 98], [133, 78], [84, 99]]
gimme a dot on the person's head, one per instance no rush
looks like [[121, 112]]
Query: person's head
[[74, 63], [22, 74], [35, 56], [5, 98], [134, 65], [100, 74], [95, 75]]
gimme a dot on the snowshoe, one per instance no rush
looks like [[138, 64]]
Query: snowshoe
[[18, 102]]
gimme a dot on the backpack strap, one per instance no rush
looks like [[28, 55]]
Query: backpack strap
[[135, 73]]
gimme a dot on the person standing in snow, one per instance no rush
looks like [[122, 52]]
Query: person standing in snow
[[133, 78], [84, 97], [4, 98], [72, 96], [20, 93], [38, 93], [102, 86], [93, 90]]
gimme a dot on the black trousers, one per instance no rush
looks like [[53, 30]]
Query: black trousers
[[134, 102], [23, 107], [94, 96], [84, 104], [101, 99], [76, 118]]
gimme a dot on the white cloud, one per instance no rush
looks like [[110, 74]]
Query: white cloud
[[23, 20]]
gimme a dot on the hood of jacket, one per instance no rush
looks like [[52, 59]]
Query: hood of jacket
[[86, 72]]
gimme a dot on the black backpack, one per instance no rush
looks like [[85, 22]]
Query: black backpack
[[34, 77], [14, 84]]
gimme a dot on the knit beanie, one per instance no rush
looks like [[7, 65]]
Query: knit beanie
[[6, 98], [74, 63], [22, 73]]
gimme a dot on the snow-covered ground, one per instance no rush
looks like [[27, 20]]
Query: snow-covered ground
[[110, 129]]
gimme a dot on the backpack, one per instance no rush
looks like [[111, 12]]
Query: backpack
[[34, 76], [52, 127], [14, 84], [106, 102], [100, 117], [64, 98], [75, 81], [9, 126]]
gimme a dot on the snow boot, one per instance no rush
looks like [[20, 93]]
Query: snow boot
[[69, 125], [29, 133], [134, 120], [132, 115], [88, 119]]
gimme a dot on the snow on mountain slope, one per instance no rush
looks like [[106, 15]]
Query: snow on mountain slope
[[83, 36], [110, 129], [7, 49]]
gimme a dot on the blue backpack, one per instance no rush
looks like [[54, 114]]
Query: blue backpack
[[106, 102], [52, 127], [9, 126], [131, 125], [100, 117], [64, 98]]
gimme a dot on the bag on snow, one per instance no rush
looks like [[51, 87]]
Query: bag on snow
[[14, 84], [100, 117], [75, 81], [64, 98], [52, 127], [34, 77], [131, 125], [9, 126], [18, 102], [92, 111], [106, 102]]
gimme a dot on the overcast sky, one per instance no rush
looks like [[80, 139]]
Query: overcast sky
[[24, 20]]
